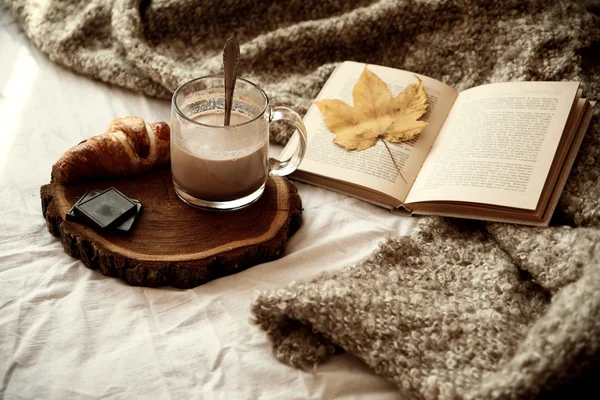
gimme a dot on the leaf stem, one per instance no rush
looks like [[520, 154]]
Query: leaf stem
[[393, 160]]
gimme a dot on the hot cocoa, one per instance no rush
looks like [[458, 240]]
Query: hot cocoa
[[221, 164]]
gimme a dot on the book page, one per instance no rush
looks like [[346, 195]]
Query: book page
[[372, 168], [497, 145]]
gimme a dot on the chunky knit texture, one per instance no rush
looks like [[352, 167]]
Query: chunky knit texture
[[458, 309]]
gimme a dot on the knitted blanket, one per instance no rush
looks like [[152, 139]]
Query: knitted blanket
[[458, 309]]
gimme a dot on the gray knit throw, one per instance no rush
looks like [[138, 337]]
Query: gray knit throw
[[458, 309]]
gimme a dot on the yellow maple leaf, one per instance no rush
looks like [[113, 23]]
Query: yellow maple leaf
[[376, 114]]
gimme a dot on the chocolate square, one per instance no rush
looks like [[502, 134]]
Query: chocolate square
[[128, 223], [125, 226], [105, 209], [71, 215]]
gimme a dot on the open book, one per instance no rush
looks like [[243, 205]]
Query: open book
[[497, 152]]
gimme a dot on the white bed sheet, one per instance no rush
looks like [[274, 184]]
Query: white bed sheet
[[69, 332]]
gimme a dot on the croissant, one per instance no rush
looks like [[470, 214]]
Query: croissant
[[129, 146]]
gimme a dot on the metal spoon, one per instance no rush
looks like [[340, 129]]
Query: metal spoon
[[231, 57]]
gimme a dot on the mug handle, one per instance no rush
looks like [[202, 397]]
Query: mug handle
[[286, 167]]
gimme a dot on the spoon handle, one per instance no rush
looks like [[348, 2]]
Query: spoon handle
[[231, 57]]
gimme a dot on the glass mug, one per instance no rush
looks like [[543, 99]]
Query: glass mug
[[220, 167]]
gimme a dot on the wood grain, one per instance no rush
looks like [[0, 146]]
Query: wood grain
[[173, 243]]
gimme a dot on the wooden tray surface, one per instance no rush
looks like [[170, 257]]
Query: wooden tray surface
[[171, 242]]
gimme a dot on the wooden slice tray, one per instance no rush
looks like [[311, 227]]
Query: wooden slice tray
[[173, 243]]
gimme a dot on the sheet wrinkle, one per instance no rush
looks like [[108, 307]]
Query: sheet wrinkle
[[109, 395], [345, 200], [14, 395], [46, 293], [314, 391], [87, 395], [85, 317], [188, 320], [223, 350], [338, 242], [17, 337], [153, 334], [169, 309], [8, 375]]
